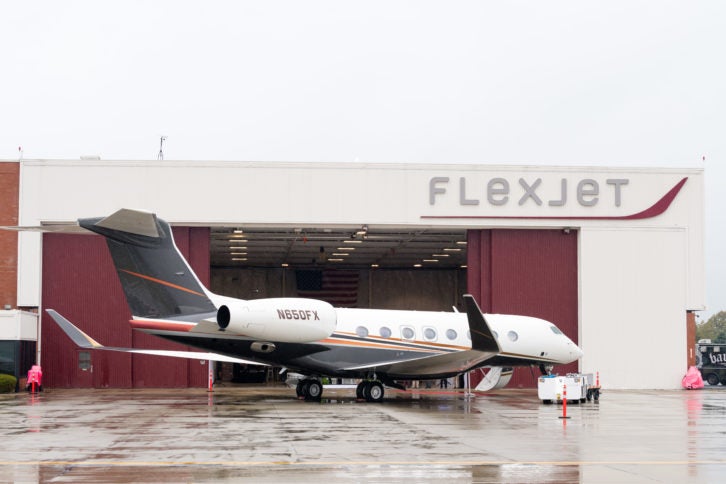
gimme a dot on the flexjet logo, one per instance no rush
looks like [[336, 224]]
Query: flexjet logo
[[498, 191], [299, 314], [532, 193]]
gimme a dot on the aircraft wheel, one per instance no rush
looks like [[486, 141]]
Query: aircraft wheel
[[374, 392], [299, 389], [314, 391], [360, 390], [302, 388]]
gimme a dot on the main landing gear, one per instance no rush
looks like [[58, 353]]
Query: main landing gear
[[311, 389], [370, 391]]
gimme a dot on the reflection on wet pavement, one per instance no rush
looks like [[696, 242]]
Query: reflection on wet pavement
[[264, 434]]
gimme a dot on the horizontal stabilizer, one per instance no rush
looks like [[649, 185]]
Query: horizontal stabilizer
[[82, 340], [126, 220], [63, 228], [132, 222]]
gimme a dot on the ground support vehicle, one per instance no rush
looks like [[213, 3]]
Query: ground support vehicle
[[711, 362], [580, 388]]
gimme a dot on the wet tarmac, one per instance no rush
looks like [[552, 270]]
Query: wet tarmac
[[264, 434]]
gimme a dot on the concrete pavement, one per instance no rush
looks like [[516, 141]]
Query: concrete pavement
[[264, 434]]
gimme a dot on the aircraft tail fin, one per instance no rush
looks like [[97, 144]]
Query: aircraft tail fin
[[157, 281]]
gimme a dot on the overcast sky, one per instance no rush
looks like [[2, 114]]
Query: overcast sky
[[613, 83]]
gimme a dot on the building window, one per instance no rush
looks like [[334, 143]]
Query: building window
[[8, 357], [84, 360]]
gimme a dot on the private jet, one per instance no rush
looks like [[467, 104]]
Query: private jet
[[380, 347]]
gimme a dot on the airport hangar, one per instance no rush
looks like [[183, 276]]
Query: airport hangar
[[613, 256]]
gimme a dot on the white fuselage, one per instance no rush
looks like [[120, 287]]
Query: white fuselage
[[518, 336]]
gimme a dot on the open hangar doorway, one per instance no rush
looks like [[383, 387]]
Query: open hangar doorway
[[531, 272], [515, 271], [352, 266]]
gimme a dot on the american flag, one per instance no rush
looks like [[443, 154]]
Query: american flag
[[339, 288]]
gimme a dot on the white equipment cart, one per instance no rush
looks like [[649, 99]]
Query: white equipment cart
[[550, 388]]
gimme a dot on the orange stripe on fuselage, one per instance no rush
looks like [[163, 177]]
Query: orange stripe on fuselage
[[372, 344], [162, 325], [165, 283], [405, 345], [423, 344]]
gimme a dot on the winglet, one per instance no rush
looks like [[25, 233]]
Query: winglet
[[482, 338], [76, 335]]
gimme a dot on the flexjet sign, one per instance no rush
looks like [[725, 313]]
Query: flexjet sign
[[528, 192], [498, 191]]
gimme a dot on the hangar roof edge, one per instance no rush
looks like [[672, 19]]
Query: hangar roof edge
[[478, 166]]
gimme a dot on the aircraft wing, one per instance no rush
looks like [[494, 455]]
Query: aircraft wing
[[483, 346], [458, 362], [84, 341]]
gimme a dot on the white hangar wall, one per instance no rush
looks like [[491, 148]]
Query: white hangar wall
[[635, 305], [641, 264]]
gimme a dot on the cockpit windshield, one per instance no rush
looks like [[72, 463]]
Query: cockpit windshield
[[555, 330]]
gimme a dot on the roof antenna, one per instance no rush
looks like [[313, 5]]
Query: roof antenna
[[20, 153], [160, 156]]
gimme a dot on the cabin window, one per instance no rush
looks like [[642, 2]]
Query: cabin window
[[361, 331], [468, 335], [451, 334], [512, 335], [430, 334], [407, 332], [385, 331], [555, 330], [496, 335]]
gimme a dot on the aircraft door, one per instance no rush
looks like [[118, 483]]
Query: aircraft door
[[84, 368]]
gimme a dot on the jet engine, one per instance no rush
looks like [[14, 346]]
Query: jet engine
[[285, 320]]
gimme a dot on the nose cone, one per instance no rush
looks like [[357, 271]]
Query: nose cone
[[575, 351]]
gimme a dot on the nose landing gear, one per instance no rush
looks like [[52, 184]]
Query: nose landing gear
[[545, 369]]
